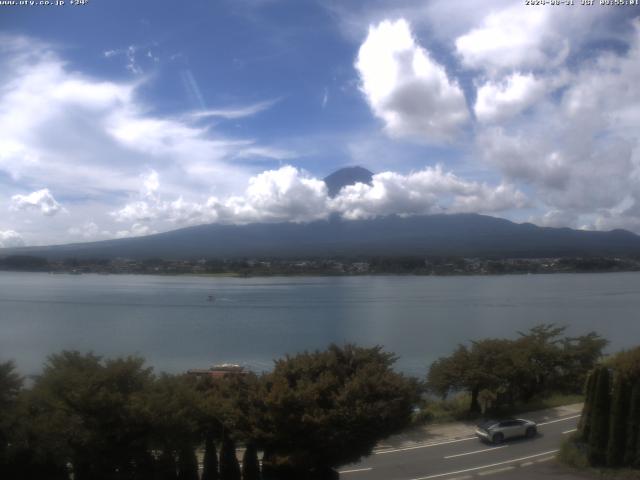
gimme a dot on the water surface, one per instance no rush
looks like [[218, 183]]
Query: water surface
[[173, 323]]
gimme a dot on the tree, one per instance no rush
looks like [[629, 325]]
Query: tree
[[537, 363], [599, 433], [229, 466], [584, 425], [632, 444], [331, 407], [167, 468], [210, 463], [579, 356], [618, 422], [10, 386], [187, 464], [250, 464]]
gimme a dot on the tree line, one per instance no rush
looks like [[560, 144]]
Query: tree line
[[114, 418], [499, 372], [93, 418]]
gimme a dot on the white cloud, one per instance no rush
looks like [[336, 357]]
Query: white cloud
[[286, 194], [41, 200], [89, 138], [10, 238], [291, 195], [500, 100], [136, 230], [233, 113], [150, 183], [513, 38], [580, 152], [406, 88], [431, 190]]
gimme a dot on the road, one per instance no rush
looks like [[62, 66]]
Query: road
[[463, 458]]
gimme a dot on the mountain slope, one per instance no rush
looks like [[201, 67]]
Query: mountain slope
[[462, 234], [347, 176]]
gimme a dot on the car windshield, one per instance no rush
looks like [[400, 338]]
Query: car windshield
[[485, 425]]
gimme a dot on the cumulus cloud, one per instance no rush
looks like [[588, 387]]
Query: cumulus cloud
[[289, 194], [282, 195], [406, 88], [513, 38], [10, 238], [136, 230], [41, 200], [428, 191], [499, 100], [580, 151]]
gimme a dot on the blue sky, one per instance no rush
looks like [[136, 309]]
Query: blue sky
[[121, 118]]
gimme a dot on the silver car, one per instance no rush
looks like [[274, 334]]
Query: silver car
[[497, 431]]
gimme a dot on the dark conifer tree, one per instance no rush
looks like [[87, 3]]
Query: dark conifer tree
[[167, 469], [599, 432], [229, 466], [618, 422], [187, 464], [632, 447], [584, 425], [250, 464], [210, 467]]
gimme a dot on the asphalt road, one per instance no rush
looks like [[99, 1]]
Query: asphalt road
[[464, 458]]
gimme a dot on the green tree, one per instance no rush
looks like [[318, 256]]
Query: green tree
[[632, 444], [579, 356], [598, 436], [331, 407], [187, 464], [250, 464], [584, 425], [10, 386], [167, 468], [618, 421], [229, 466], [210, 463]]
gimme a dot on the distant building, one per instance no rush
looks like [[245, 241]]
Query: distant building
[[219, 371]]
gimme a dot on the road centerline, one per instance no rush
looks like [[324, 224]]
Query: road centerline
[[426, 445], [356, 470], [476, 451], [559, 420], [482, 467]]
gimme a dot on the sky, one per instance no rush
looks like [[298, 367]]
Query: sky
[[123, 118]]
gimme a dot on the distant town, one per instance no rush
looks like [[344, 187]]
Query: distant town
[[440, 266]]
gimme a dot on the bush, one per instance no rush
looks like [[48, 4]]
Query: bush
[[574, 453]]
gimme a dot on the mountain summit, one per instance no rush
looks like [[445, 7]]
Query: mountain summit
[[345, 177]]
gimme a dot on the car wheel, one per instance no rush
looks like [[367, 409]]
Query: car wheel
[[531, 432], [498, 438]]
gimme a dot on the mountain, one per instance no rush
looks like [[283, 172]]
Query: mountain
[[437, 235], [347, 176]]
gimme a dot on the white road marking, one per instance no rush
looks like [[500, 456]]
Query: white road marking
[[546, 459], [526, 464], [497, 470], [437, 475], [425, 445], [569, 431], [559, 420], [466, 477], [476, 451], [355, 470]]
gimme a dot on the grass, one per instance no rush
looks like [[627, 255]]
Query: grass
[[573, 454]]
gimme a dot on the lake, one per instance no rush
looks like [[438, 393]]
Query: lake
[[175, 324]]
